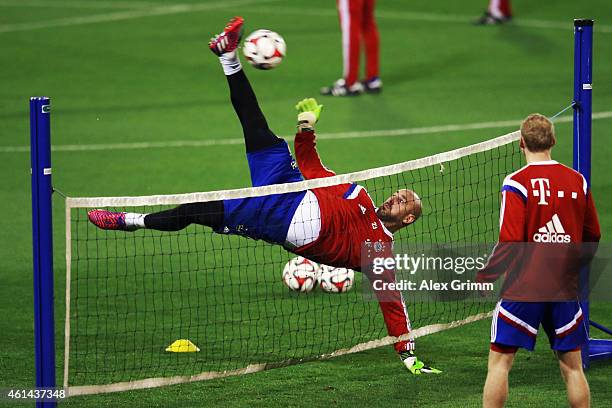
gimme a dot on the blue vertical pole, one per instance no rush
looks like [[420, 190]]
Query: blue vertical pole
[[583, 71], [42, 239], [583, 75]]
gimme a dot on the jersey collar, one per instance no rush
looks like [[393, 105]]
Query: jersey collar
[[543, 163], [389, 233], [382, 224]]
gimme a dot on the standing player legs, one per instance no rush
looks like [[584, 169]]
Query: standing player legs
[[498, 12], [496, 386], [567, 332], [370, 39], [570, 363], [351, 16], [500, 8]]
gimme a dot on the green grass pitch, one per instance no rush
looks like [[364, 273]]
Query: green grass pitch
[[118, 72]]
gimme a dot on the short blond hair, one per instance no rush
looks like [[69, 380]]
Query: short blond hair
[[538, 133]]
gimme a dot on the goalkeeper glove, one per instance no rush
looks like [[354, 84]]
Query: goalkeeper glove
[[308, 113], [416, 366]]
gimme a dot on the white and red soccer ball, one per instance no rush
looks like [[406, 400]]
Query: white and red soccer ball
[[300, 274], [336, 280], [303, 275], [264, 49]]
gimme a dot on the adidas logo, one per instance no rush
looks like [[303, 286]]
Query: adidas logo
[[552, 232]]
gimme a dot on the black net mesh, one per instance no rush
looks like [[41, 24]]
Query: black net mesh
[[133, 294]]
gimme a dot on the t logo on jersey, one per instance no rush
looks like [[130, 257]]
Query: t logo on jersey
[[542, 190]]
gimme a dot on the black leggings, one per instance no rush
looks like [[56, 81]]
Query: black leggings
[[209, 214], [257, 136]]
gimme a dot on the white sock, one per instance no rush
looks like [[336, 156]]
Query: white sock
[[495, 10], [135, 220], [230, 63], [409, 362]]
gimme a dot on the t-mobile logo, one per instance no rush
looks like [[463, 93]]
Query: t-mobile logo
[[542, 189]]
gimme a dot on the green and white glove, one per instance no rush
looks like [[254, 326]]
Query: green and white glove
[[308, 113]]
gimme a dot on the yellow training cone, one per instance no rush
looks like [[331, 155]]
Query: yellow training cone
[[182, 346]]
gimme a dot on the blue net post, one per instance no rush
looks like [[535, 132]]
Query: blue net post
[[583, 72], [42, 240]]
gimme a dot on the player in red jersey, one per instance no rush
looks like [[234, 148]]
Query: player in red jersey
[[328, 225], [359, 30], [549, 206]]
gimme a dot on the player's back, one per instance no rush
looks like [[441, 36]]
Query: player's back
[[555, 201], [548, 204]]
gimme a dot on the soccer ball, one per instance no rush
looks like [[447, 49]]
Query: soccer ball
[[300, 274], [264, 49], [336, 280]]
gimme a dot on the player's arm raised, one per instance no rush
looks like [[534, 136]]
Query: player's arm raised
[[308, 159]]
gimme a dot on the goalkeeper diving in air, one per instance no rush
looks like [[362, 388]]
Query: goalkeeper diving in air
[[328, 225]]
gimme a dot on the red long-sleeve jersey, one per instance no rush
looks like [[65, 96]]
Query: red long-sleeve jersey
[[348, 215], [348, 221], [542, 203]]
